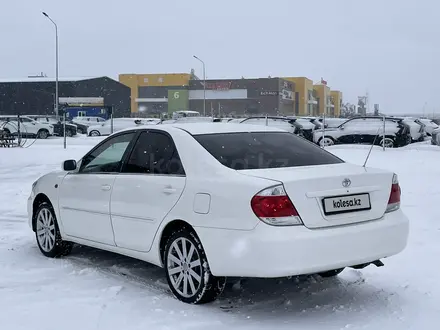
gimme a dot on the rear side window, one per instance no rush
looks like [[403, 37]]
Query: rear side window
[[241, 151], [154, 153]]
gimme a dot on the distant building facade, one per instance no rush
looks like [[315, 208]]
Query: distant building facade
[[153, 94], [88, 97]]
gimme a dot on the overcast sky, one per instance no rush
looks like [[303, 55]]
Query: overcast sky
[[389, 47]]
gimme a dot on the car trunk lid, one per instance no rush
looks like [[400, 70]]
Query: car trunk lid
[[332, 195]]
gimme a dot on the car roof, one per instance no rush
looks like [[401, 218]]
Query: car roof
[[211, 128]]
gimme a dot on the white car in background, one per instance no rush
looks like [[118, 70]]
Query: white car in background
[[119, 124], [88, 120], [210, 201], [283, 123], [417, 128], [189, 119], [333, 122], [430, 125], [28, 127]]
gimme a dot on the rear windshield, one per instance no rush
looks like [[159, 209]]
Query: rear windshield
[[241, 151]]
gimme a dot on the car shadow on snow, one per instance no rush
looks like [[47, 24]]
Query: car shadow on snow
[[259, 299]]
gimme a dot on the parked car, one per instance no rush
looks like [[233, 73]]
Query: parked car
[[190, 119], [81, 126], [28, 127], [118, 124], [435, 137], [277, 206], [333, 122], [366, 130], [417, 128], [90, 120], [315, 121], [306, 127], [272, 121], [430, 125], [58, 126]]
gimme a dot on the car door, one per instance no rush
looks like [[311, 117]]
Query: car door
[[84, 196], [28, 126], [373, 128], [150, 184], [351, 131]]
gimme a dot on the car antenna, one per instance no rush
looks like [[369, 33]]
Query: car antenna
[[371, 148]]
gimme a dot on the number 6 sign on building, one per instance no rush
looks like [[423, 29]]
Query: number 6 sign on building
[[177, 100]]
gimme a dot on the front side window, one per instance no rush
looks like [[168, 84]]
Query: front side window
[[259, 150], [107, 158], [154, 153]]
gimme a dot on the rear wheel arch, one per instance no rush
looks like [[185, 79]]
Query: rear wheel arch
[[169, 229], [38, 200]]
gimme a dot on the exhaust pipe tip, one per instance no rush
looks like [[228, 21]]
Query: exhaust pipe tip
[[378, 263]]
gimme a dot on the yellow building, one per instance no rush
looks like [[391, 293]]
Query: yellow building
[[337, 101], [325, 105], [305, 101], [151, 91]]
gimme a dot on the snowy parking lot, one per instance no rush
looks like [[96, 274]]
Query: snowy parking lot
[[92, 289]]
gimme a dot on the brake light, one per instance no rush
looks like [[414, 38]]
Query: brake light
[[394, 200], [274, 207]]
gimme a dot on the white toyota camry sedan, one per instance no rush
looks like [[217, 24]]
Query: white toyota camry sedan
[[206, 201]]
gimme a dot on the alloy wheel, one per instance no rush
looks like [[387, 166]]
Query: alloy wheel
[[326, 142], [184, 267], [388, 142], [46, 230], [43, 134]]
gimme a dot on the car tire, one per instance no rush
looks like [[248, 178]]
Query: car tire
[[328, 139], [47, 233], [69, 133], [43, 134], [331, 273], [389, 142], [94, 133], [187, 269]]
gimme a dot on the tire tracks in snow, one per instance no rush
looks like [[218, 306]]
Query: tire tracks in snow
[[121, 273]]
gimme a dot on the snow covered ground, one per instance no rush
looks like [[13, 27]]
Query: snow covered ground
[[92, 289]]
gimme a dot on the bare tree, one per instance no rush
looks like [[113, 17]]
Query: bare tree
[[348, 110]]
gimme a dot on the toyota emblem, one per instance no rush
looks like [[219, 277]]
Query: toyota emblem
[[346, 183]]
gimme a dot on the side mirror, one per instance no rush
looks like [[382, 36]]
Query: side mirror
[[69, 165], [341, 127]]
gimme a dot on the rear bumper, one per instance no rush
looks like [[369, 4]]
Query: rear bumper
[[269, 251]]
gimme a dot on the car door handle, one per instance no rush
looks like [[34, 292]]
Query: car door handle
[[106, 187], [169, 190]]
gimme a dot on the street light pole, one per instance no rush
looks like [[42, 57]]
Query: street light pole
[[56, 64], [57, 110], [204, 85]]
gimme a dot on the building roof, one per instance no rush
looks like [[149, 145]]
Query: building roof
[[45, 79]]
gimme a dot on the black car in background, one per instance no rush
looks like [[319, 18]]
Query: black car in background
[[81, 128], [58, 127], [367, 130]]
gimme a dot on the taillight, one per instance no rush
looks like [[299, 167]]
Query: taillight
[[274, 207], [394, 200]]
